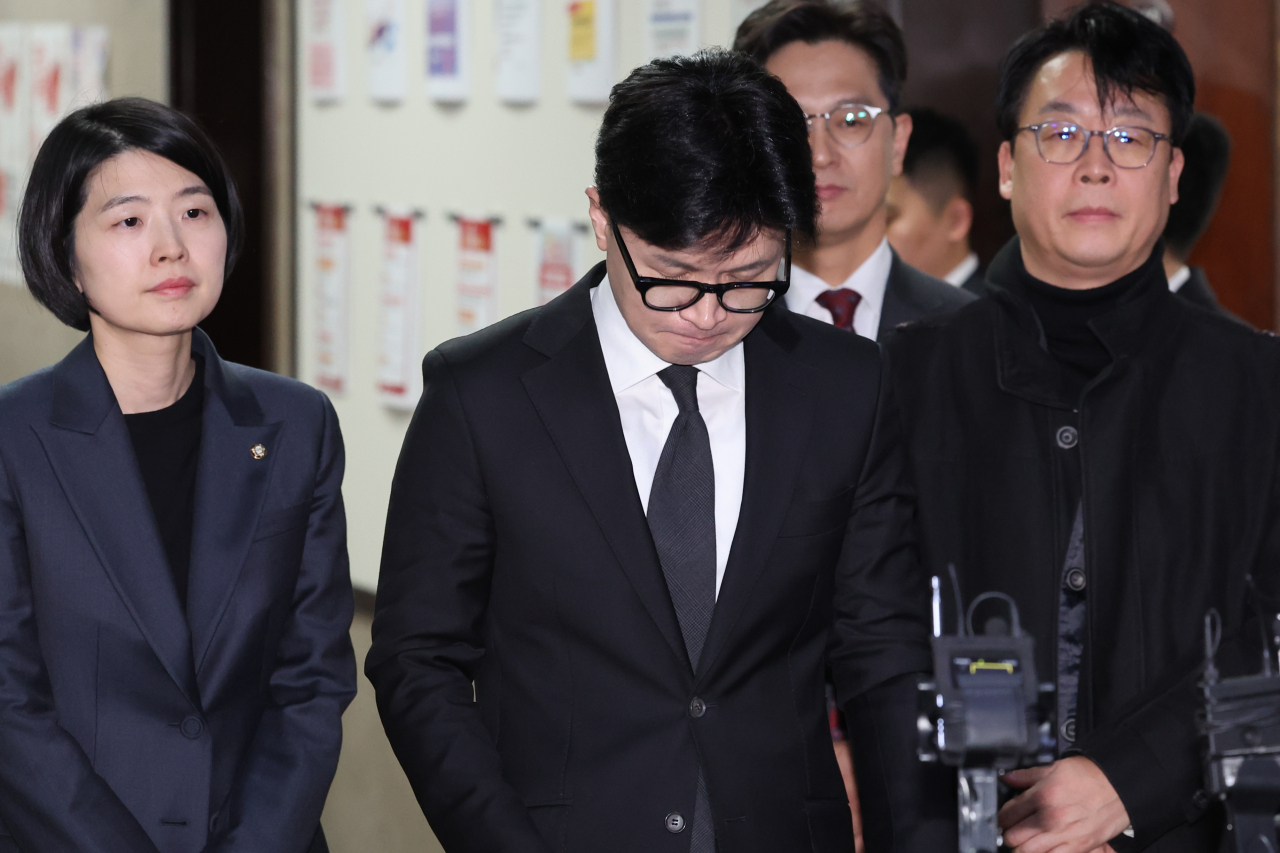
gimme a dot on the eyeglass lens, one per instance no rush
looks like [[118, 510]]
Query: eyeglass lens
[[1128, 147], [850, 124], [669, 296]]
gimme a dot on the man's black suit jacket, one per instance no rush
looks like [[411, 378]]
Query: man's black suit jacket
[[517, 557], [911, 295]]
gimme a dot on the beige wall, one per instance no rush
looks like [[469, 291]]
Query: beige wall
[[29, 336]]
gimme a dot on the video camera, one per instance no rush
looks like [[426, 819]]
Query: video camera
[[984, 712], [1241, 727]]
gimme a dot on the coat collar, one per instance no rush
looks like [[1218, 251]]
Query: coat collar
[[1024, 365], [572, 395], [88, 444]]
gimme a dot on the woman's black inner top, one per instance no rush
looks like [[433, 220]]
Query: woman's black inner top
[[167, 444]]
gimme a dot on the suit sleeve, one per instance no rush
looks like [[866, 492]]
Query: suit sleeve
[[1152, 756], [282, 783], [51, 800], [428, 634], [880, 649]]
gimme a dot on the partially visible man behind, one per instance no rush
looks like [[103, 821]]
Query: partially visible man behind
[[1096, 447], [630, 529], [1207, 153], [845, 63], [930, 205]]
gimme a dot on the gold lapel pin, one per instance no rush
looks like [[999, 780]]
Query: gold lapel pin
[[258, 451]]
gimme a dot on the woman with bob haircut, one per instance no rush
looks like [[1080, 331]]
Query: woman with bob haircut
[[174, 591]]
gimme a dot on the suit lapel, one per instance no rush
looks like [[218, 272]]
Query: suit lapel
[[231, 485], [89, 448], [897, 307], [573, 397], [779, 418]]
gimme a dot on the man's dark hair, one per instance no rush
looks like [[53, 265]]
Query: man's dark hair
[[56, 190], [864, 25], [942, 158], [1206, 148], [708, 147], [1126, 50]]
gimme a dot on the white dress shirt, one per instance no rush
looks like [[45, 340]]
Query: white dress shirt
[[648, 409], [869, 280], [963, 270], [1179, 278]]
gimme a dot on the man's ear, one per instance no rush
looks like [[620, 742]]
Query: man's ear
[[901, 136], [1005, 160], [957, 219], [1176, 162], [599, 219]]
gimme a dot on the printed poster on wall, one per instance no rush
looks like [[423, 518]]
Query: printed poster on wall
[[557, 258], [386, 50], [738, 11], [399, 381], [326, 51], [477, 275], [448, 59], [517, 24], [671, 27], [591, 50], [333, 273], [15, 140], [51, 72], [91, 46]]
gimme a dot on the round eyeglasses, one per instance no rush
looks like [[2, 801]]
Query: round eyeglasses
[[849, 125], [1063, 143], [736, 297]]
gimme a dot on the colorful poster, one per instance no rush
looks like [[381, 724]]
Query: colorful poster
[[386, 50], [51, 72], [556, 263], [672, 27], [477, 275], [517, 24], [591, 50], [326, 51], [15, 141], [448, 36], [399, 381], [91, 48], [333, 272]]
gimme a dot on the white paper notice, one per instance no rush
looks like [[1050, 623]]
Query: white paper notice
[[91, 48], [517, 24], [399, 382], [671, 27], [387, 54], [51, 68], [556, 264], [333, 272], [326, 50], [448, 49], [15, 140], [477, 275], [591, 50]]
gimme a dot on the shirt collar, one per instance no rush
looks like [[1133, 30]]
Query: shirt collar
[[869, 280], [963, 270], [629, 362], [1179, 278]]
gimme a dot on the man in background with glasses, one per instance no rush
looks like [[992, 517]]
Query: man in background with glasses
[[845, 63], [629, 530], [1096, 447]]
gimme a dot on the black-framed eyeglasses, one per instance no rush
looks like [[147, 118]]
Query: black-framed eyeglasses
[[850, 124], [1063, 143], [737, 297]]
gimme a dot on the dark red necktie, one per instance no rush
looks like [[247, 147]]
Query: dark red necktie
[[842, 303]]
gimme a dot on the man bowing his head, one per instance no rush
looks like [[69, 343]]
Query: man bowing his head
[[642, 520]]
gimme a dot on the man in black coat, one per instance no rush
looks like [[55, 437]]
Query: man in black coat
[[642, 520], [1096, 447], [845, 63]]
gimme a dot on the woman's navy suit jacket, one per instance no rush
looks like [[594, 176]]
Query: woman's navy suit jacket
[[125, 724]]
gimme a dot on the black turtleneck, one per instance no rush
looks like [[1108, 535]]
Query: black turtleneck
[[1065, 314]]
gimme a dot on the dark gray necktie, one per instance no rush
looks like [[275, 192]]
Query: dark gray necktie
[[682, 519]]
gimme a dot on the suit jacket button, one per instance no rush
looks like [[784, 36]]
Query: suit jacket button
[[191, 727], [675, 822], [697, 708], [1076, 579], [1068, 437]]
